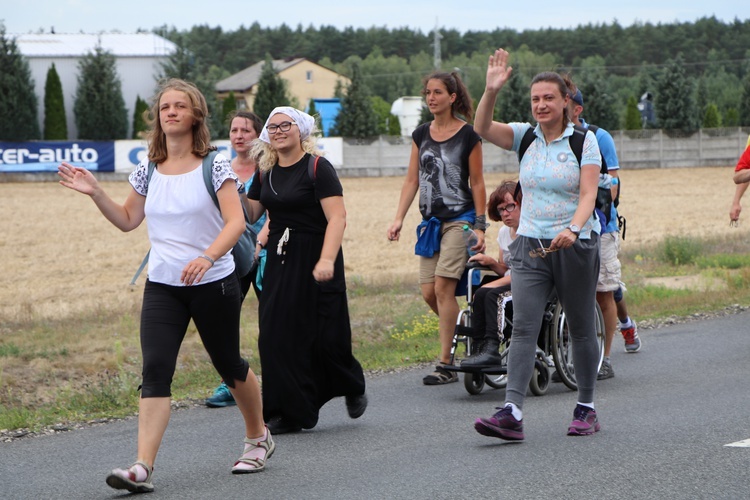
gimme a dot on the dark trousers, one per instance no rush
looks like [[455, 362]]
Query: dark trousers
[[485, 307]]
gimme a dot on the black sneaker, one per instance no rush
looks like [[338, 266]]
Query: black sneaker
[[283, 425], [356, 405], [487, 356], [487, 359]]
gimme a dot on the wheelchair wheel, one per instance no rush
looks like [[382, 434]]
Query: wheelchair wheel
[[600, 336], [474, 382], [496, 381], [562, 346], [539, 380], [562, 349]]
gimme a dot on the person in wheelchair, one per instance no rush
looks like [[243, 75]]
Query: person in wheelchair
[[487, 300]]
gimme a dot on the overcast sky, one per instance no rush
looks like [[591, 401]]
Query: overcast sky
[[91, 16]]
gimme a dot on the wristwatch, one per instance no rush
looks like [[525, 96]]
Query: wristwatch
[[575, 230]]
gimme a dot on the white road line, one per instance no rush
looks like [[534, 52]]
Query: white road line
[[740, 444]]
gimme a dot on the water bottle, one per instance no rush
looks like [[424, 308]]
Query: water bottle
[[470, 238]]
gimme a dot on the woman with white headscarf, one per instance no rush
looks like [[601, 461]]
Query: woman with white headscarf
[[305, 336]]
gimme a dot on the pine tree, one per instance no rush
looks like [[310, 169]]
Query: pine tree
[[18, 102], [701, 97], [732, 118], [387, 122], [99, 108], [633, 119], [272, 91], [745, 101], [55, 127], [676, 108], [425, 115], [712, 117], [394, 126], [181, 63], [513, 101], [357, 117], [205, 79], [228, 105], [313, 111], [599, 105], [139, 123]]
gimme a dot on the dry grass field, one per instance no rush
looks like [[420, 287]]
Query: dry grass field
[[69, 318], [62, 258]]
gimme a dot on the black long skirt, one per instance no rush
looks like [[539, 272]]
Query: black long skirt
[[305, 341]]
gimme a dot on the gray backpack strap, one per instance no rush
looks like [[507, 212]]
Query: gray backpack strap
[[141, 267], [208, 162]]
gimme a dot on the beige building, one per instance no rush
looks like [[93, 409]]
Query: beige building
[[305, 79]]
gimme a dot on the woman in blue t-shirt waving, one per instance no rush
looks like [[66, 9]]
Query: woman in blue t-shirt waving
[[557, 248]]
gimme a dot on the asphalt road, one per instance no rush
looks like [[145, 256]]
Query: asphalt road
[[666, 419]]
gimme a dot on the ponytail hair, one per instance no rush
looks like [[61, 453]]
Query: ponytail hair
[[463, 104]]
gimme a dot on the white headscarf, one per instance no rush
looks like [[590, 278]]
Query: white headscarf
[[304, 121]]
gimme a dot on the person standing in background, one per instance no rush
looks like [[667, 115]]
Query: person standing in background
[[610, 270], [244, 128], [742, 180]]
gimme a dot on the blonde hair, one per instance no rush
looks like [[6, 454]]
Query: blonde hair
[[268, 156], [157, 141]]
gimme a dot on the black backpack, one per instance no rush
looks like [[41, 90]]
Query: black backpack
[[604, 195], [244, 251]]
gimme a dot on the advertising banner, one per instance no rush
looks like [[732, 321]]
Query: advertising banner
[[41, 156], [107, 156]]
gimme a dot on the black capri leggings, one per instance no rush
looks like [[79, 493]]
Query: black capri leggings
[[166, 313]]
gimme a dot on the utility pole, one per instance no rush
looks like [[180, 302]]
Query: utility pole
[[436, 45]]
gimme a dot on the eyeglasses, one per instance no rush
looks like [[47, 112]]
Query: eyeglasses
[[507, 208], [541, 252], [283, 126]]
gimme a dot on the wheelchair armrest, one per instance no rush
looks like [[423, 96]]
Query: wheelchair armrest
[[472, 264]]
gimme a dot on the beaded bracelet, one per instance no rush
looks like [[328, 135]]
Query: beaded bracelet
[[207, 258]]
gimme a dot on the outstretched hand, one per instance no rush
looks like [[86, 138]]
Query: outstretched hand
[[498, 70], [77, 178]]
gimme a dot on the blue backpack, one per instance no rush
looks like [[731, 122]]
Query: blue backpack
[[244, 251]]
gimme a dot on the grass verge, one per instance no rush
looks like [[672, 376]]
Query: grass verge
[[89, 368]]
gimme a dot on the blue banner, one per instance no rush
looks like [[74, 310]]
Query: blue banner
[[39, 156]]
